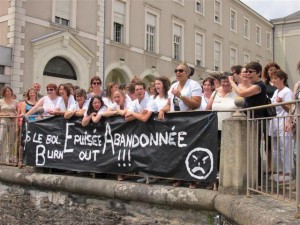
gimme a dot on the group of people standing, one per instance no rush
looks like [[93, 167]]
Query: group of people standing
[[132, 101]]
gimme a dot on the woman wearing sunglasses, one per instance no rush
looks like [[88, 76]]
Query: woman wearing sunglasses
[[184, 95], [47, 103], [95, 87]]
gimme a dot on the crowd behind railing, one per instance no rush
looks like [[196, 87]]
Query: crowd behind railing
[[245, 86]]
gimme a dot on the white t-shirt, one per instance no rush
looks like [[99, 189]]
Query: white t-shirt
[[159, 103], [107, 102], [115, 106], [204, 102], [277, 124], [224, 103], [61, 104], [49, 104], [75, 105], [145, 104], [191, 88]]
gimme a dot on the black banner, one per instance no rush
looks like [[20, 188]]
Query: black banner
[[184, 146]]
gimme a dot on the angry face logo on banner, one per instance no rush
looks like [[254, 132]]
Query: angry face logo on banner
[[199, 163]]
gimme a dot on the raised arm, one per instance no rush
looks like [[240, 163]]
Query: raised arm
[[244, 92]]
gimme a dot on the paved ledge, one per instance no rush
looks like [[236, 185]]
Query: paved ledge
[[252, 210]]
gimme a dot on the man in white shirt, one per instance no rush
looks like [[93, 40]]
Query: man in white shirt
[[142, 107]]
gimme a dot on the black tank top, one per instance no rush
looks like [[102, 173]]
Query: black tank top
[[258, 100]]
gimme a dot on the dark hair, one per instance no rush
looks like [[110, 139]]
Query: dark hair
[[237, 68], [224, 76], [192, 71], [90, 108], [66, 87], [80, 92], [29, 90], [254, 66], [211, 82], [166, 85], [95, 78], [298, 66], [216, 76], [4, 90], [282, 76], [141, 84], [266, 75]]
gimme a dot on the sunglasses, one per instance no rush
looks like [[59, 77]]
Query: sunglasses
[[96, 83], [50, 89], [179, 70], [250, 71]]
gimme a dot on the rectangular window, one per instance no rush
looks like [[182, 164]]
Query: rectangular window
[[233, 20], [217, 56], [268, 41], [199, 6], [119, 21], [150, 32], [246, 58], [218, 12], [118, 32], [199, 50], [63, 12], [1, 69], [177, 42], [62, 21], [258, 35], [246, 28], [233, 56], [150, 38]]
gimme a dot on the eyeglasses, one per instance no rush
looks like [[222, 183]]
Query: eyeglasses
[[250, 71], [179, 70], [50, 89], [96, 83]]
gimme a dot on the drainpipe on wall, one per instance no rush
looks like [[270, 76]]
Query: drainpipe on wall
[[104, 46]]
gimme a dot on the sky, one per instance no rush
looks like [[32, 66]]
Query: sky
[[273, 9]]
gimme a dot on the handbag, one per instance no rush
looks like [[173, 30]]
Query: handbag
[[270, 111]]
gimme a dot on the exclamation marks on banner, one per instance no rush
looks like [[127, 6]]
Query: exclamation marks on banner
[[122, 158]]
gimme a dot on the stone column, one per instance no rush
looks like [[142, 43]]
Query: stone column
[[233, 162]]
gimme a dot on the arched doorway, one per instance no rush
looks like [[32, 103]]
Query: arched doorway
[[117, 75]]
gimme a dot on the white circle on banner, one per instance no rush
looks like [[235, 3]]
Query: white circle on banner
[[199, 163]]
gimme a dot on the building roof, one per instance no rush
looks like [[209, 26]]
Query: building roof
[[294, 17]]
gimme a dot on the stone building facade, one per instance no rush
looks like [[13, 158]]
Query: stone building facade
[[51, 41], [286, 44], [148, 38]]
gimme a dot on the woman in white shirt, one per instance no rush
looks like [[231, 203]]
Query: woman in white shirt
[[95, 111], [208, 89], [47, 103], [277, 129], [110, 89], [162, 86], [120, 105], [79, 107], [65, 100], [184, 95]]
